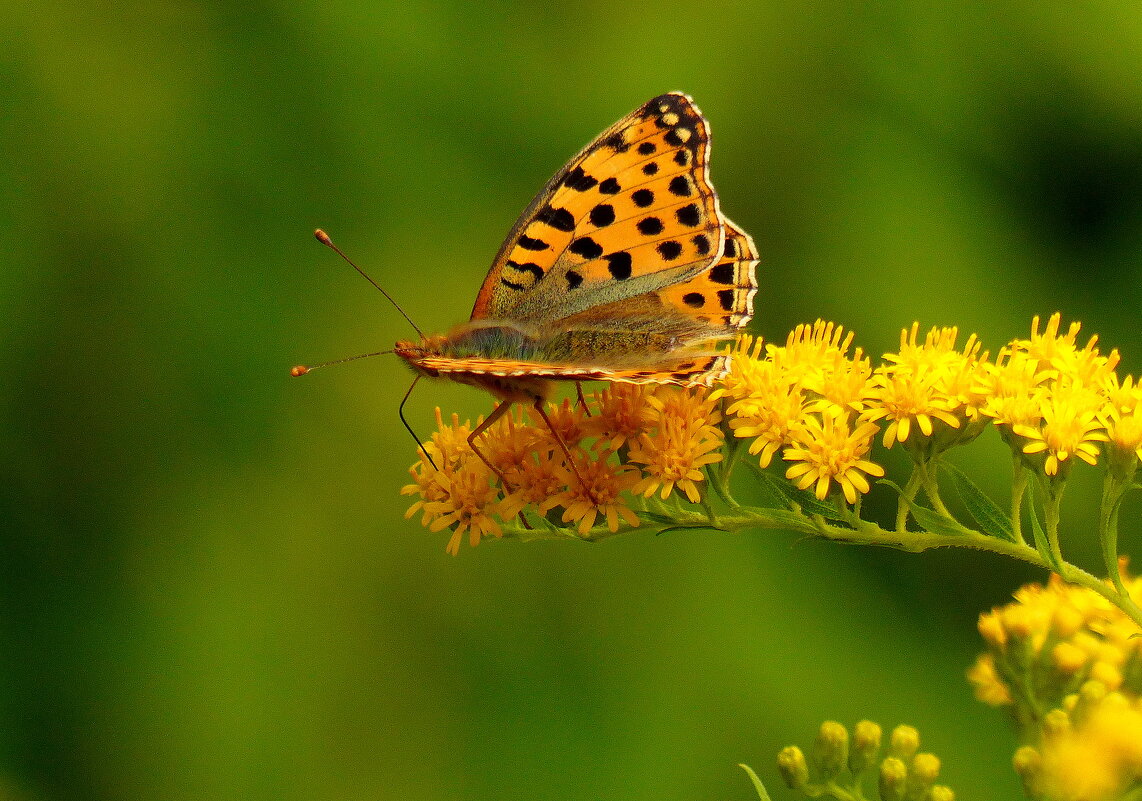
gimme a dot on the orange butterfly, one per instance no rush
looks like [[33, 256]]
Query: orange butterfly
[[623, 268]]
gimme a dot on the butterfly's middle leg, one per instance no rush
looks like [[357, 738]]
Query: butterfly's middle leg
[[538, 406]]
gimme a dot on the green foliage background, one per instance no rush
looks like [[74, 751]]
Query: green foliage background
[[208, 589]]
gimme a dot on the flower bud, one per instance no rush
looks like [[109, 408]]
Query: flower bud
[[832, 749], [794, 770], [893, 780], [865, 746], [905, 742]]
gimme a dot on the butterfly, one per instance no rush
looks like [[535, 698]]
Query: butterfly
[[623, 268]]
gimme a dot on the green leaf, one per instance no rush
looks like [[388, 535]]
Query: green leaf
[[757, 785], [988, 516], [809, 503], [1041, 544], [938, 523]]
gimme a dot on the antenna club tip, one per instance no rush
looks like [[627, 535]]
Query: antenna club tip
[[299, 370], [323, 238]]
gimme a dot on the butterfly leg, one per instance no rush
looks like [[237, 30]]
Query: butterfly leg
[[582, 400], [501, 409], [496, 414], [538, 406]]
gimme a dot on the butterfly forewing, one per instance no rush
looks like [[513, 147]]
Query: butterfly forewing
[[633, 213]]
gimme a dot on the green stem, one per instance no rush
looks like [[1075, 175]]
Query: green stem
[[862, 533], [931, 488], [1019, 478], [1112, 492], [907, 496], [1053, 490]]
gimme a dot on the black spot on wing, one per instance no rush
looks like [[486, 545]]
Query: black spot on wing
[[701, 244], [650, 168], [602, 215], [646, 148], [586, 247], [573, 279], [723, 273], [689, 215], [680, 185], [642, 198], [619, 264], [694, 299], [726, 298], [559, 219], [579, 180], [670, 250], [610, 187], [527, 267], [650, 226], [527, 243]]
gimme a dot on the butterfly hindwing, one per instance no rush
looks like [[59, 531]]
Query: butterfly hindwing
[[633, 213]]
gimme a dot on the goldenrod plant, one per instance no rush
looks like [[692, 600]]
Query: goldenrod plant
[[804, 417], [807, 419]]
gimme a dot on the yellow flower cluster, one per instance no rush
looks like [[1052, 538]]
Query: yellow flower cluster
[[1068, 665], [626, 441], [1091, 749], [806, 399], [1052, 400], [1052, 639]]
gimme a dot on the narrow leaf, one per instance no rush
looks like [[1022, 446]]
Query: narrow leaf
[[986, 512], [938, 523], [1041, 544], [757, 785], [810, 504]]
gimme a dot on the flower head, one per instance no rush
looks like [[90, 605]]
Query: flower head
[[832, 448], [593, 488]]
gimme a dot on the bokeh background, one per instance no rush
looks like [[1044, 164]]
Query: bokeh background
[[208, 589]]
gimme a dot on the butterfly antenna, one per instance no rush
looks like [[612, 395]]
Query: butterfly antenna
[[324, 239], [302, 369], [400, 414]]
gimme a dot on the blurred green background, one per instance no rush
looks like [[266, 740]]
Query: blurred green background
[[208, 589]]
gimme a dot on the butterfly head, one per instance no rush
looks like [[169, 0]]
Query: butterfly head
[[416, 353]]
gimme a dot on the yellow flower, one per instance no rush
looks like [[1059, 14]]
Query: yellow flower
[[674, 456], [508, 445], [1060, 353], [568, 421], [538, 478], [906, 399], [469, 504], [832, 449], [599, 492], [1011, 388], [1047, 641], [928, 383], [620, 415], [1069, 426], [696, 407], [768, 419], [986, 682]]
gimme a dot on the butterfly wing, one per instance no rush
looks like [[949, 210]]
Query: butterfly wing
[[632, 214]]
